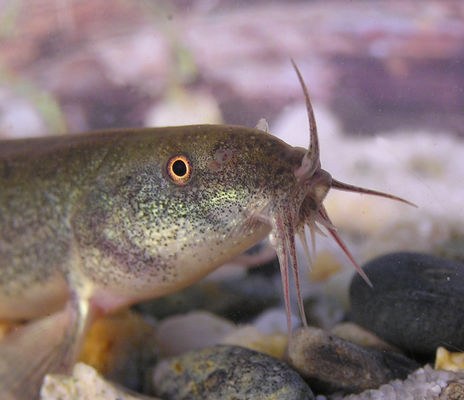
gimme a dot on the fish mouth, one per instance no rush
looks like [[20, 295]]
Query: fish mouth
[[290, 220]]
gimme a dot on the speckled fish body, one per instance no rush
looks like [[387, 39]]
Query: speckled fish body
[[96, 217], [101, 208], [103, 220]]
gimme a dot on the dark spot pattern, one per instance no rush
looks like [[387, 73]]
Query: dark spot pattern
[[134, 230]]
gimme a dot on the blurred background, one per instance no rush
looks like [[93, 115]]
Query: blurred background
[[74, 65], [386, 79]]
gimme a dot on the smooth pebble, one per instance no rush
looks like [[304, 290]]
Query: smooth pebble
[[228, 373], [417, 302], [332, 364], [358, 335]]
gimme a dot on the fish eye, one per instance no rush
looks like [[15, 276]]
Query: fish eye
[[179, 169]]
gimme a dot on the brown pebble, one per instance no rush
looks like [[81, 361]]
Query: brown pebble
[[333, 364], [360, 336]]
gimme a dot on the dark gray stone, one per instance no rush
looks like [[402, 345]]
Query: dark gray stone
[[236, 299], [417, 302], [228, 373], [332, 364]]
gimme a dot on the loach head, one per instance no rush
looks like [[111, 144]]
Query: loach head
[[168, 205]]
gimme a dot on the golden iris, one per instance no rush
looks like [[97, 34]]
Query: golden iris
[[179, 169]]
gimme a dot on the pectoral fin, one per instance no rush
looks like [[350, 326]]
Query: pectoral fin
[[30, 352]]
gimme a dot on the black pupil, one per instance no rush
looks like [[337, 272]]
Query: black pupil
[[179, 168]]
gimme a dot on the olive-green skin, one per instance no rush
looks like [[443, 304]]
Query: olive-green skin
[[98, 213]]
